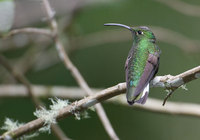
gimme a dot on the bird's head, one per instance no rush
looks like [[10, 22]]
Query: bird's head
[[140, 32]]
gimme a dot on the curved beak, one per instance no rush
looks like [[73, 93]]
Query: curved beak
[[121, 25]]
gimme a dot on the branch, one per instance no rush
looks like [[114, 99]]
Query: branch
[[151, 105], [171, 108], [21, 79], [63, 113], [182, 7], [75, 72], [14, 91], [171, 82], [29, 30], [118, 35]]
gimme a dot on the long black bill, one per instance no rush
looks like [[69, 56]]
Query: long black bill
[[118, 24]]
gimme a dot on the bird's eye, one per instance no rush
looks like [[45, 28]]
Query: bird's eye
[[140, 32]]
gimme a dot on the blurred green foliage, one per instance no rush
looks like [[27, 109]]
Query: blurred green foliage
[[103, 66]]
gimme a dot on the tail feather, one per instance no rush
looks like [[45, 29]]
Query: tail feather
[[141, 98], [130, 95], [145, 93]]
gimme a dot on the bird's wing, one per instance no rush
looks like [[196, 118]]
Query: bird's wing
[[127, 67], [150, 70]]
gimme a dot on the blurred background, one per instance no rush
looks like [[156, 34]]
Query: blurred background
[[99, 53]]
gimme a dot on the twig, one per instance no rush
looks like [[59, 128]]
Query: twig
[[29, 31], [168, 95], [76, 74], [59, 133], [20, 78]]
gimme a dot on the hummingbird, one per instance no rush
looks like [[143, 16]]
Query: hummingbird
[[141, 64]]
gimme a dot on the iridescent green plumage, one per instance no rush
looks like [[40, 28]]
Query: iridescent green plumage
[[141, 64], [142, 47]]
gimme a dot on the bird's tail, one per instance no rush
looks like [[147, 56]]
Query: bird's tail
[[144, 94], [141, 98], [130, 95]]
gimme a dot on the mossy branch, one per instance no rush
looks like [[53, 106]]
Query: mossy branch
[[152, 105]]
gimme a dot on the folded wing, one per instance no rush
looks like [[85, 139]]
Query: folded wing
[[150, 70]]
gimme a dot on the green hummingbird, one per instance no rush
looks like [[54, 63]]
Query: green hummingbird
[[141, 64]]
